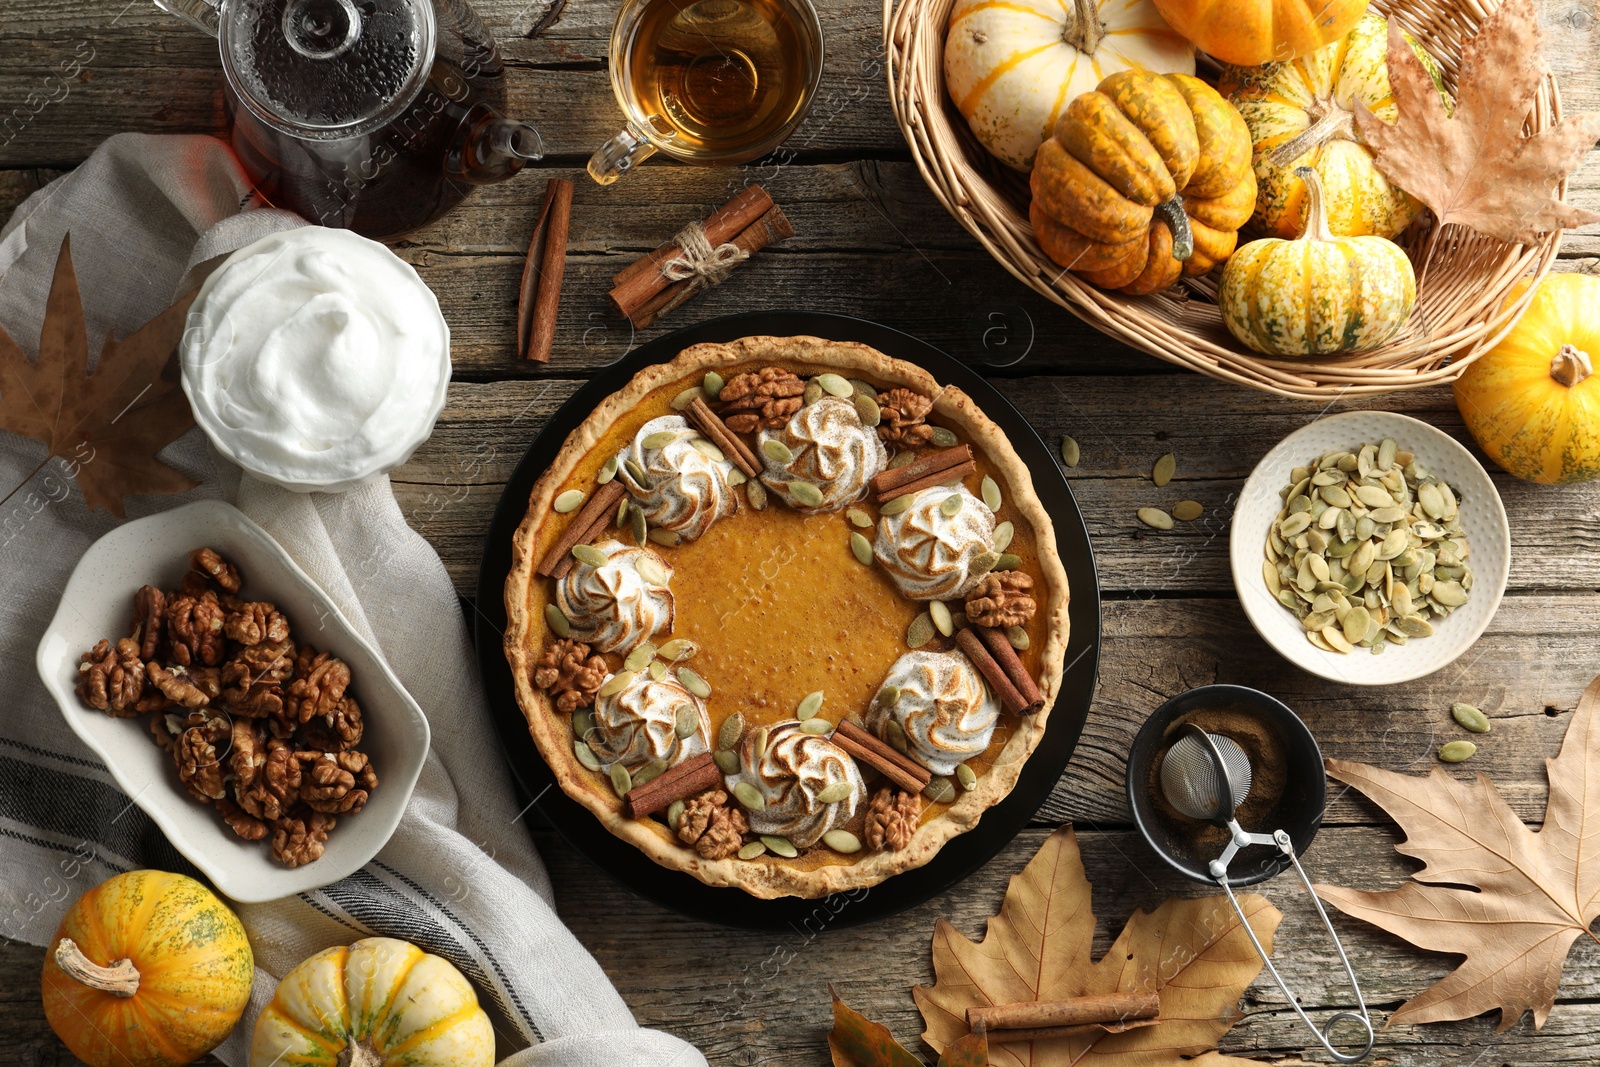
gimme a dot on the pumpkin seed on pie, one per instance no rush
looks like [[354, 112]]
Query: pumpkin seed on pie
[[842, 841], [896, 506], [816, 725], [867, 409], [1003, 534], [966, 776], [649, 772], [686, 721], [943, 438], [727, 760], [835, 792], [712, 384], [990, 489], [651, 570], [939, 612], [693, 682], [588, 554], [585, 754], [777, 451], [858, 517], [618, 682], [757, 493], [687, 397], [641, 529], [557, 622], [809, 705], [920, 632], [749, 796], [621, 780], [780, 846], [640, 657], [607, 471], [568, 501], [679, 648], [806, 493], [753, 849], [707, 449], [659, 439], [731, 730], [674, 814], [836, 385], [665, 538], [951, 505]]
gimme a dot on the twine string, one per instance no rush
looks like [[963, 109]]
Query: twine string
[[699, 262]]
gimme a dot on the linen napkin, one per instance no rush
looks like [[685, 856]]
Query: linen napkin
[[460, 877]]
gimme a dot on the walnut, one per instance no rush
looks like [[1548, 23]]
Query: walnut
[[276, 787], [892, 819], [176, 685], [247, 755], [219, 570], [269, 663], [337, 732], [254, 622], [300, 836], [901, 421], [570, 674], [335, 784], [112, 679], [1001, 599], [242, 822], [318, 686], [193, 584], [715, 829], [149, 607], [194, 630], [763, 398], [254, 702], [199, 766]]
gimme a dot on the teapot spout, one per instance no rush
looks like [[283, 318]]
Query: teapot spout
[[512, 140], [203, 15], [494, 149]]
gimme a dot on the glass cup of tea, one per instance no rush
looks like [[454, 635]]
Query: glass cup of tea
[[709, 81]]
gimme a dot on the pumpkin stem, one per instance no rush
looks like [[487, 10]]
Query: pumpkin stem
[[1171, 212], [1316, 209], [1084, 30], [1333, 121], [359, 1054], [1571, 366], [120, 979]]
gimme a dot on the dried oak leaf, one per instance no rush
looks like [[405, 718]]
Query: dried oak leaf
[[857, 1041], [108, 425], [1194, 953], [1473, 166], [1511, 899]]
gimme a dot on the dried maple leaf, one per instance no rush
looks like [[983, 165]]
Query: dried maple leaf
[[1473, 166], [108, 425], [1194, 953], [1511, 899], [857, 1041]]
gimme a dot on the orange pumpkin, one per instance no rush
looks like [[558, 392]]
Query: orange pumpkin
[[1145, 179], [1249, 34], [148, 969]]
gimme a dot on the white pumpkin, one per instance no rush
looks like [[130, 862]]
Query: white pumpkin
[[1011, 66], [379, 1003]]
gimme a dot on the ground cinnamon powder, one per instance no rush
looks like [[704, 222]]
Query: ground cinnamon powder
[[1260, 741]]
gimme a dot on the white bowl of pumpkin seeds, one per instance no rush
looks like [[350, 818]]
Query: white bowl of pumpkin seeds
[[1370, 548]]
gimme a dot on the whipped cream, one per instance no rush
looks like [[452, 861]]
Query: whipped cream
[[316, 358], [946, 711], [793, 769], [832, 450], [613, 607], [682, 489], [934, 556], [638, 724]]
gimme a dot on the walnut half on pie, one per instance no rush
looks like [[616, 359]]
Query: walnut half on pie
[[714, 628]]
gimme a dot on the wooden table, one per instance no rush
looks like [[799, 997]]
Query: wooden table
[[873, 242]]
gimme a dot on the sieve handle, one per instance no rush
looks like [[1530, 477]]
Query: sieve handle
[[1281, 839]]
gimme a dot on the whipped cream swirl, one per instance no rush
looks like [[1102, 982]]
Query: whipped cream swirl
[[682, 488], [932, 555], [794, 768], [831, 449], [946, 711], [613, 607], [638, 724]]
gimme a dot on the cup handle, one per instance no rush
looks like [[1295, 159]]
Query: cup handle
[[626, 149]]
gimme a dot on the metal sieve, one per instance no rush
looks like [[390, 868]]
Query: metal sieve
[[1189, 778]]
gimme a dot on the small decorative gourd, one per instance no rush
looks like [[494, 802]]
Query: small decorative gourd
[[1317, 294], [380, 1002], [1532, 401], [148, 969], [1010, 66], [1302, 114], [1252, 32], [1145, 179]]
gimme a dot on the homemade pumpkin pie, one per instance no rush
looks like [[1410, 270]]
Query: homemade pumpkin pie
[[786, 614]]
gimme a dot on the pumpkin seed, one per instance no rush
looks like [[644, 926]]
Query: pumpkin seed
[[834, 792], [1070, 453], [1294, 525], [1335, 495], [842, 841], [1414, 626], [1008, 561], [1470, 718], [666, 538], [727, 760], [1157, 519], [618, 682], [649, 771], [939, 612], [641, 530], [1164, 469], [621, 780], [951, 505], [658, 671], [806, 494], [895, 734], [757, 493], [920, 632], [1387, 450], [568, 501], [1018, 637], [675, 814], [888, 696], [966, 776], [752, 850], [991, 493], [679, 648], [556, 621], [777, 451], [835, 385], [707, 449], [687, 397], [731, 730], [712, 383], [1457, 751], [901, 459], [867, 409], [623, 508], [863, 388], [582, 723], [816, 725], [585, 754], [640, 657], [1003, 535], [686, 721], [749, 796], [694, 683], [895, 506], [607, 471], [809, 705], [735, 477], [780, 846], [1190, 510], [942, 438], [812, 394], [590, 555], [940, 790], [651, 570], [1450, 594], [858, 517], [758, 743], [659, 439]]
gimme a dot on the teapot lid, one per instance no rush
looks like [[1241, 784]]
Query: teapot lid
[[327, 67]]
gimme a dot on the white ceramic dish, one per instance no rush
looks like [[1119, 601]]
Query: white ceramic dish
[[1483, 521], [98, 602]]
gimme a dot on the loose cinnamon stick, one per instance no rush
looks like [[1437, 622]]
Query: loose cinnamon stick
[[1011, 663], [921, 467], [642, 279], [1046, 1033], [711, 424], [1077, 1011], [770, 228], [1010, 699], [597, 511], [691, 777], [540, 295], [899, 769]]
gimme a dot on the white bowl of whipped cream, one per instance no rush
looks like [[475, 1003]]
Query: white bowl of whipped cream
[[316, 358]]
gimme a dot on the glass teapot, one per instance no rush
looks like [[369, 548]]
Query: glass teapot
[[373, 115]]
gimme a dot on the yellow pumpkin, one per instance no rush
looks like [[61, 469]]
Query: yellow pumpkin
[[148, 969], [1012, 65], [1144, 179], [1533, 401], [378, 1003], [1250, 32], [1317, 294], [1302, 114]]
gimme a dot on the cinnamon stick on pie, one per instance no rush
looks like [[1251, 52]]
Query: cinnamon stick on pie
[[584, 526], [689, 778], [711, 424], [935, 468], [1010, 698], [1000, 648], [900, 769]]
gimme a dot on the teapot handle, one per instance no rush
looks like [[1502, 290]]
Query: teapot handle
[[203, 15]]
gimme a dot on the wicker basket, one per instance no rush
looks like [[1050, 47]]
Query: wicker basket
[[1461, 308]]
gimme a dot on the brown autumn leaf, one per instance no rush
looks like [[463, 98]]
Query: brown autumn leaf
[[857, 1041], [1195, 953], [1474, 167], [1511, 899], [108, 425]]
